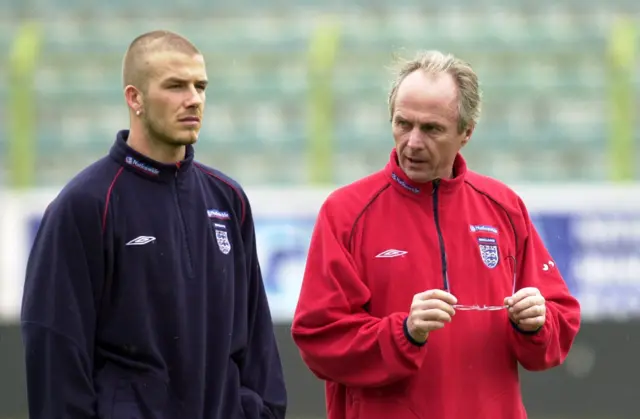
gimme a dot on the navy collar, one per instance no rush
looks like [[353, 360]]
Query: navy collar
[[142, 165]]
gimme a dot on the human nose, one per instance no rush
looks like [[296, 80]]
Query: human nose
[[415, 139], [195, 97]]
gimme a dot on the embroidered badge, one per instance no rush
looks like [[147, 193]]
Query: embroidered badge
[[489, 251], [223, 241]]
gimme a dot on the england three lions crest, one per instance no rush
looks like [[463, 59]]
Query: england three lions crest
[[223, 241], [489, 251]]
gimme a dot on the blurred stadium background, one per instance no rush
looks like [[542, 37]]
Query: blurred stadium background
[[297, 101]]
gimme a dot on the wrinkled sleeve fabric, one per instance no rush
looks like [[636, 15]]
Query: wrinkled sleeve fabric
[[337, 338], [549, 346], [263, 393], [64, 277]]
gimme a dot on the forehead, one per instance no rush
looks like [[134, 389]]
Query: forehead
[[163, 65], [424, 96]]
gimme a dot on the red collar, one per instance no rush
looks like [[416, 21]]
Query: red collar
[[403, 184]]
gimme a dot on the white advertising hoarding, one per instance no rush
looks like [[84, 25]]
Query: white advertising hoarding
[[592, 231]]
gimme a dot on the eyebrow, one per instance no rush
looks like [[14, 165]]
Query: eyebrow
[[179, 80], [429, 122]]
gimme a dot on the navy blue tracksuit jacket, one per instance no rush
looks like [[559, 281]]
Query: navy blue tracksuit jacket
[[144, 298]]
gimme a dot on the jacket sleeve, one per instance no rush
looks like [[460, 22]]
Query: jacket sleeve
[[65, 267], [338, 340], [263, 393], [549, 346]]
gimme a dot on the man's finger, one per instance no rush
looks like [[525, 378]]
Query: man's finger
[[434, 304], [534, 321], [433, 314], [530, 313], [527, 302], [438, 295], [520, 295]]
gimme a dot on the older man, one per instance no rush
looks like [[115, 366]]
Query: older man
[[427, 284]]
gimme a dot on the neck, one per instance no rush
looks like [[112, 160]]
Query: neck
[[155, 149], [447, 174]]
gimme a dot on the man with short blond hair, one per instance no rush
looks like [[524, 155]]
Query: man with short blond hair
[[425, 284]]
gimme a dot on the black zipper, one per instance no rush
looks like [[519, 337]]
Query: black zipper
[[184, 226], [443, 253]]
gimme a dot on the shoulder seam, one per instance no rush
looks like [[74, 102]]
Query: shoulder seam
[[499, 205], [229, 184], [367, 205], [105, 211]]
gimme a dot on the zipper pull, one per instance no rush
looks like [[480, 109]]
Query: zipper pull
[[436, 184]]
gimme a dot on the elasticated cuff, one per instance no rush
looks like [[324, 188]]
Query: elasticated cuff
[[408, 335], [524, 332]]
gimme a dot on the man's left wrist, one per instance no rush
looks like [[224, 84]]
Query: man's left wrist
[[525, 331]]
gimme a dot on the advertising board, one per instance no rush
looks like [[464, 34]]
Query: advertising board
[[592, 232]]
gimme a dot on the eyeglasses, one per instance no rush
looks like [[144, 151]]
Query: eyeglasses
[[477, 307], [463, 307]]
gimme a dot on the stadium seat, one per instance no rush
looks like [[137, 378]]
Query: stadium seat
[[543, 76]]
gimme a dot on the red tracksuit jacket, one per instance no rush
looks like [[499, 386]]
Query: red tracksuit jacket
[[383, 239]]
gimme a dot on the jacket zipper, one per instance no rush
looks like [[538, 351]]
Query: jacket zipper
[[436, 218], [184, 226]]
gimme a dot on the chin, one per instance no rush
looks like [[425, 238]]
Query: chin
[[186, 139], [190, 141], [417, 176]]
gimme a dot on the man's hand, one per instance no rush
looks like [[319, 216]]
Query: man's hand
[[430, 310], [527, 309]]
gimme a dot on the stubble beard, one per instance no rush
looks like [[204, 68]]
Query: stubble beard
[[159, 135]]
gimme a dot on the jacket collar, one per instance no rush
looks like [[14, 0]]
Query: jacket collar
[[142, 165], [404, 185]]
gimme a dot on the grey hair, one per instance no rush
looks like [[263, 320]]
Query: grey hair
[[434, 62]]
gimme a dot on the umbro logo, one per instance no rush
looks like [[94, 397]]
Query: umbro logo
[[391, 253], [139, 241]]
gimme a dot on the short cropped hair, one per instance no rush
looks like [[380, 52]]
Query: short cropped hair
[[135, 70], [434, 62]]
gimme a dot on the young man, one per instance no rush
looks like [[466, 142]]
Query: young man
[[143, 294], [426, 283]]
